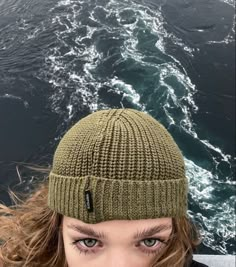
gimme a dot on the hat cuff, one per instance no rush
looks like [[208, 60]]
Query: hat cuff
[[117, 199]]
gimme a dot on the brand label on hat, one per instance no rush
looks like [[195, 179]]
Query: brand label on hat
[[88, 200]]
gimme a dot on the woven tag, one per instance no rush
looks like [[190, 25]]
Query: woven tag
[[88, 200]]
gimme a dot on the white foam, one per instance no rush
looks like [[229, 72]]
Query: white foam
[[64, 3], [11, 97], [217, 149], [229, 2], [33, 34], [219, 223], [70, 108], [127, 89]]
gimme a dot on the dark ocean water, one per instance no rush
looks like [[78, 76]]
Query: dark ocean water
[[61, 60]]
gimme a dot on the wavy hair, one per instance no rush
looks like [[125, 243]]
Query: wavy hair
[[31, 235]]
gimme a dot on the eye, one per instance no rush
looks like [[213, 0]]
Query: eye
[[85, 245], [152, 245], [150, 242], [88, 242]]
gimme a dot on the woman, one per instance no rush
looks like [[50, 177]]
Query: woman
[[116, 196]]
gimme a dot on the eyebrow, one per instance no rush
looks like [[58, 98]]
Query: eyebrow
[[145, 233]]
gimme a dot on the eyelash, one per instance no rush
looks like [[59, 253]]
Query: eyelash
[[88, 251]]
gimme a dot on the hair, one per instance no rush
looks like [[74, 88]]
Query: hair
[[31, 235]]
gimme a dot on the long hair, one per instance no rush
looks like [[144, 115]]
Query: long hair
[[31, 235]]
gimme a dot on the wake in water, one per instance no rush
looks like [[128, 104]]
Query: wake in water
[[106, 54]]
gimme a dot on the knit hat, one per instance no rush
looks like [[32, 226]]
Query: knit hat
[[118, 164]]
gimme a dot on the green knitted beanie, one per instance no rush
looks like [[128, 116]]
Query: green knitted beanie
[[118, 164]]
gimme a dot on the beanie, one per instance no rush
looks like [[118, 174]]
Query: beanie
[[118, 164]]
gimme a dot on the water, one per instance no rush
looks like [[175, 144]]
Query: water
[[61, 60]]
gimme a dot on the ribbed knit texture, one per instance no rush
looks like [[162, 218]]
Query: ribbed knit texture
[[127, 160]]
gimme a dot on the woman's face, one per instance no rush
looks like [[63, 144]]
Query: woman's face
[[117, 243]]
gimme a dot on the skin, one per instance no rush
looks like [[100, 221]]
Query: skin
[[118, 248]]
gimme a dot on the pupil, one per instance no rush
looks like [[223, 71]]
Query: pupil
[[150, 242], [89, 242]]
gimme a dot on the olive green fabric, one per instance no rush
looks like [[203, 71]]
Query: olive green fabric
[[128, 163]]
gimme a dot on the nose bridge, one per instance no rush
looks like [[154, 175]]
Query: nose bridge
[[119, 257]]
